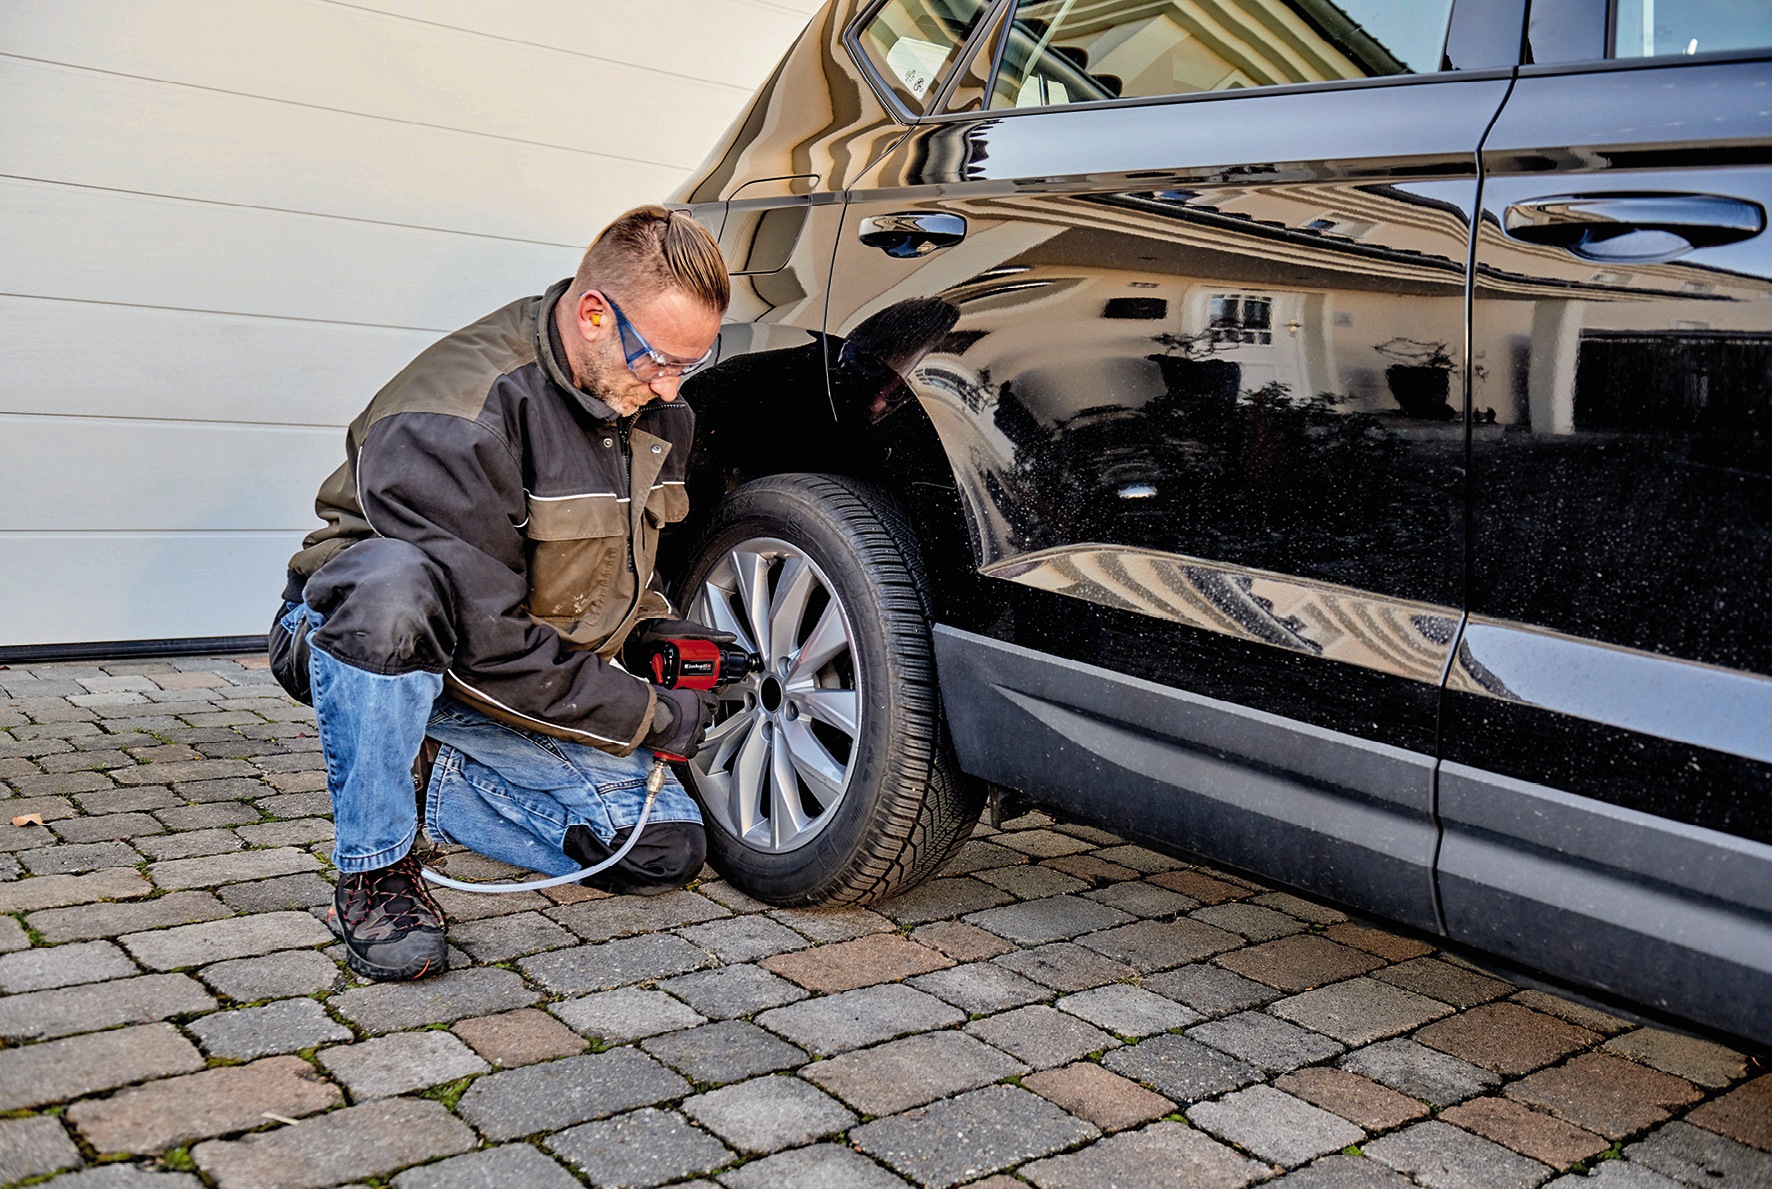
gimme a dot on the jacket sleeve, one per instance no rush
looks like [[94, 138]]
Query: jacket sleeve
[[454, 488]]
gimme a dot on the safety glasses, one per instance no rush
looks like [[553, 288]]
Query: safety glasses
[[645, 360]]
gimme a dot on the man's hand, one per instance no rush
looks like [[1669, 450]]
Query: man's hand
[[680, 721]]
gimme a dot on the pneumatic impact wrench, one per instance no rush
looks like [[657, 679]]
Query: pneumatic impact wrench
[[675, 663]]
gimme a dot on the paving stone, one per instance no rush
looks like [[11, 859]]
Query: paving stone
[[728, 1051], [185, 770], [850, 1020], [1688, 1057], [13, 936], [106, 827], [396, 1064], [1441, 1156], [1265, 1042], [744, 939], [371, 1140], [961, 1138], [1420, 1072], [1525, 1131], [274, 976], [1606, 1094], [1109, 1101], [847, 965], [33, 1147], [60, 784], [187, 846], [981, 856], [1149, 946], [285, 1026], [290, 805], [1128, 1011], [301, 831], [501, 938], [1140, 859], [152, 1118], [1694, 1156], [1028, 882], [832, 924], [1041, 1036], [63, 966], [1066, 966], [78, 858], [911, 1072], [1042, 844], [768, 1114], [1357, 1099], [1182, 1069], [1506, 1038], [1360, 1010], [1615, 1174], [388, 1007], [647, 1147], [232, 789], [38, 1015], [820, 1166], [942, 899], [1143, 899], [37, 838], [520, 1037], [726, 992], [1250, 920], [1055, 918], [237, 868], [1169, 1154], [625, 1014], [1210, 990], [494, 1168], [461, 907], [1579, 1014], [1457, 985], [1344, 1172], [52, 892], [1744, 1114], [285, 892], [1275, 1126], [981, 987], [127, 800], [215, 941], [1089, 867], [613, 963], [557, 1094], [63, 1069], [620, 916], [110, 920], [207, 817], [1300, 963]]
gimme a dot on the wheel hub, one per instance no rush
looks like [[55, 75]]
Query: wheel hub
[[770, 694]]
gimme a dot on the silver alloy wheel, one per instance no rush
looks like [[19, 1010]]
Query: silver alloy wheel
[[777, 761]]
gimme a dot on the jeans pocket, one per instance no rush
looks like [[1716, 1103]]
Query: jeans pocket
[[287, 646]]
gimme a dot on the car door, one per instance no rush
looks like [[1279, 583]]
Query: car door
[[1609, 721], [1180, 288]]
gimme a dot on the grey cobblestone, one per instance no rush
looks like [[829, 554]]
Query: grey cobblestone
[[728, 1051], [33, 1147], [730, 991], [1041, 1036], [620, 916], [387, 1007], [1251, 920], [1265, 1042], [501, 938], [63, 966], [571, 1090], [1128, 1011], [963, 1138], [188, 770], [215, 941], [88, 921], [106, 827], [837, 1023], [1694, 1156], [1143, 899], [821, 1166], [744, 939], [63, 1069], [1420, 1072], [1275, 1126], [285, 1026], [1065, 966], [1360, 1010], [768, 1114], [371, 1140], [943, 899], [1344, 1172], [981, 987], [296, 972], [832, 924], [306, 890], [1161, 1154], [1054, 918], [129, 800], [187, 846], [388, 1065], [1179, 1068], [78, 858], [204, 817], [237, 868], [613, 963], [507, 1167], [647, 1147], [911, 1072], [38, 1015], [1442, 1156], [1149, 946], [626, 1013], [1031, 882]]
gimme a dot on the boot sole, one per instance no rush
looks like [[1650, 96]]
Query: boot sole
[[363, 966]]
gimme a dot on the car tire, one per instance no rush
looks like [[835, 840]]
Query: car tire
[[827, 777]]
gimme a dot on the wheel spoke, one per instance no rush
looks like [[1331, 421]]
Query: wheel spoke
[[787, 815], [749, 782], [838, 707], [810, 758], [724, 738], [751, 570], [824, 643], [716, 611], [793, 588]]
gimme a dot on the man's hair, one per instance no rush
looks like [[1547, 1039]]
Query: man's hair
[[650, 250]]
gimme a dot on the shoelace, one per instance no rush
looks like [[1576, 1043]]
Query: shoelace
[[400, 892]]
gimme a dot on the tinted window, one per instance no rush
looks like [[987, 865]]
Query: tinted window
[[1655, 28], [912, 42], [1074, 51]]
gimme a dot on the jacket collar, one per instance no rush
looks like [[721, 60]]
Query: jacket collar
[[551, 353]]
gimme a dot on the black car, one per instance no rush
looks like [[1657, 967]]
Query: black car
[[1331, 437]]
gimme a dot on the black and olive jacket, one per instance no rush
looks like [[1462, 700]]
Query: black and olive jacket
[[539, 505]]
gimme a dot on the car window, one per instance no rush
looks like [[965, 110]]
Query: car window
[[1076, 51], [910, 43], [1658, 28]]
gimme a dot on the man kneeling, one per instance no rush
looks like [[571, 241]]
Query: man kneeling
[[487, 552]]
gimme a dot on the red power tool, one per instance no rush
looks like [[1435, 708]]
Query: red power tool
[[693, 663]]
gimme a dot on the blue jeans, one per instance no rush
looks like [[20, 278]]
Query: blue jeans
[[508, 793]]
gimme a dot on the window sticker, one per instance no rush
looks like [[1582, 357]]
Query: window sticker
[[916, 63]]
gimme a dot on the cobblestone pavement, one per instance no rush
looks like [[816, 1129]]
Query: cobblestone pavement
[[1059, 1008]]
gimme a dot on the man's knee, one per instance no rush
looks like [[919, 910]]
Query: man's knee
[[387, 608], [667, 856]]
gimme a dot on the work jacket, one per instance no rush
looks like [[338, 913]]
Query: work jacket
[[541, 507]]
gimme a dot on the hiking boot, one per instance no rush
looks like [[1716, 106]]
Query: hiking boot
[[391, 926]]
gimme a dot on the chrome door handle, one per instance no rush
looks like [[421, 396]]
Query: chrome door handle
[[1634, 226], [911, 233]]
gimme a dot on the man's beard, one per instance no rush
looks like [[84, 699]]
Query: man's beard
[[615, 385]]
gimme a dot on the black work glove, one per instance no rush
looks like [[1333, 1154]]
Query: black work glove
[[639, 641], [680, 720]]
